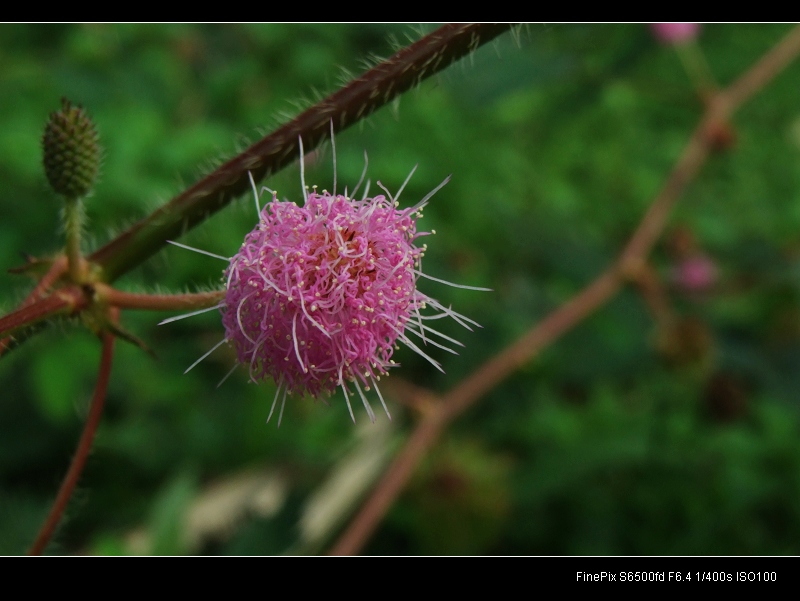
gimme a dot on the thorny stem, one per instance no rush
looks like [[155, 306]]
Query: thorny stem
[[57, 269], [157, 302], [84, 445], [378, 86], [603, 288], [66, 301]]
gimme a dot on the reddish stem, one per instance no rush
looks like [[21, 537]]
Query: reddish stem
[[57, 269], [66, 301], [157, 302], [84, 445]]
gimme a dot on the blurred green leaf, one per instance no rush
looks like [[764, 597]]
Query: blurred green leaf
[[169, 513]]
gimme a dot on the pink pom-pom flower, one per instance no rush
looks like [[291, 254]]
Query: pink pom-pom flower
[[318, 295]]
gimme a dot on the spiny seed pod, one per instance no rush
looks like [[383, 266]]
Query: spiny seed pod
[[71, 151]]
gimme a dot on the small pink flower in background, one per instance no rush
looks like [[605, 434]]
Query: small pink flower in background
[[696, 273], [319, 295], [675, 33]]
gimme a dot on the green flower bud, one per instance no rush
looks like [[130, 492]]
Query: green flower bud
[[71, 151]]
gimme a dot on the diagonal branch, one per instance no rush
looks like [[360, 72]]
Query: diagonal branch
[[66, 301], [57, 269], [378, 86], [603, 288]]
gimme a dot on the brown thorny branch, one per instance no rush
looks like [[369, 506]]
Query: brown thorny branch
[[345, 107], [629, 264], [355, 101]]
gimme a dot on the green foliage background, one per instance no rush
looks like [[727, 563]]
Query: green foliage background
[[556, 146]]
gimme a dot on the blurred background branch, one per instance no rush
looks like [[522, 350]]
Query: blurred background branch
[[607, 284]]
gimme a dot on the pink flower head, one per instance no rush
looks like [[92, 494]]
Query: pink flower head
[[318, 295], [675, 33]]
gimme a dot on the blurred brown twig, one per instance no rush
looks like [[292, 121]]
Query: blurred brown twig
[[630, 262]]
